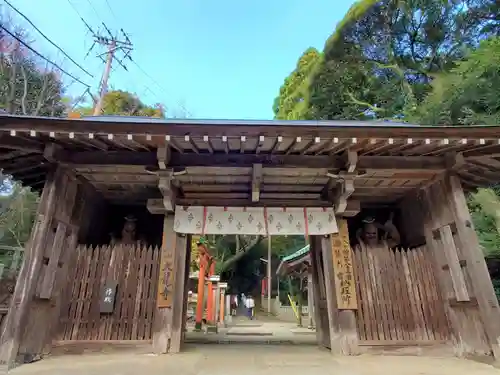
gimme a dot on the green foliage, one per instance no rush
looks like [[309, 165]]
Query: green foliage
[[123, 103], [383, 56], [17, 215], [281, 246], [469, 94], [292, 100], [484, 206], [238, 258]]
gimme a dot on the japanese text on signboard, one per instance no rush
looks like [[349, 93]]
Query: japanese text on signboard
[[345, 284]]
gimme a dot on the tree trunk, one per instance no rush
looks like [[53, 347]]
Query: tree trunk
[[240, 252]]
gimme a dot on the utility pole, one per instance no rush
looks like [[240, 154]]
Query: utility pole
[[113, 46]]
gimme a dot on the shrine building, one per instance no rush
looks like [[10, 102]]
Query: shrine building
[[108, 258]]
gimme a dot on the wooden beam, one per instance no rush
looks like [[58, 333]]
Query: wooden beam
[[256, 181], [248, 202], [108, 158], [189, 139], [208, 142], [240, 187], [389, 163], [21, 144]]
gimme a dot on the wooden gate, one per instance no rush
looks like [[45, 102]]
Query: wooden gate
[[134, 269], [399, 300]]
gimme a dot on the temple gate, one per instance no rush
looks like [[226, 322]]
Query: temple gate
[[184, 177]]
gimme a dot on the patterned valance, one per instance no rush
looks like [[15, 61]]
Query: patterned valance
[[255, 220]]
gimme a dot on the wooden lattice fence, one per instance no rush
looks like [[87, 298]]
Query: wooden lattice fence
[[399, 300], [135, 269]]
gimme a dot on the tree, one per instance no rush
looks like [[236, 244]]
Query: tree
[[123, 103], [292, 100], [382, 57], [238, 257], [28, 84], [469, 93]]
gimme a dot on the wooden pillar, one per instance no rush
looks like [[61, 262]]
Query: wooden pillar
[[310, 303], [338, 254], [162, 323], [319, 290], [36, 300], [200, 305], [186, 285], [179, 279], [461, 270]]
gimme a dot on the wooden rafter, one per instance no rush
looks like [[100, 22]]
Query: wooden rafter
[[256, 182]]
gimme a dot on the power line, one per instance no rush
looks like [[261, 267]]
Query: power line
[[157, 84], [113, 45], [111, 10], [147, 75], [74, 8], [41, 56], [47, 38], [95, 11]]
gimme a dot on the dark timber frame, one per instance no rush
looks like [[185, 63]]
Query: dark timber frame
[[347, 165]]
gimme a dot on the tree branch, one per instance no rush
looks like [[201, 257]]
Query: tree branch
[[241, 252]]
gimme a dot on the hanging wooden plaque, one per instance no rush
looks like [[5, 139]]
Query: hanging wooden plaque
[[345, 284], [166, 275]]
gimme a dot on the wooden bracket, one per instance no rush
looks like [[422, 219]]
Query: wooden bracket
[[343, 193], [454, 161], [163, 155], [52, 152], [168, 191], [256, 182], [351, 160], [353, 208], [156, 206]]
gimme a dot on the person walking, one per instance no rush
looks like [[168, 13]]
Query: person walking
[[250, 304], [234, 304]]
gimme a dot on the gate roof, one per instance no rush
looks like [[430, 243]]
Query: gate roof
[[214, 161]]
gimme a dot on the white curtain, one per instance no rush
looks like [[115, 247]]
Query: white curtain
[[255, 220]]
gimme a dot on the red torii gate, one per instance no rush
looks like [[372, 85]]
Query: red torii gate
[[207, 269]]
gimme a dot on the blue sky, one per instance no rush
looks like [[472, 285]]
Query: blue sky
[[217, 59]]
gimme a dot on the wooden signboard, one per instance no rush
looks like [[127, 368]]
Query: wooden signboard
[[108, 297], [345, 285], [166, 276]]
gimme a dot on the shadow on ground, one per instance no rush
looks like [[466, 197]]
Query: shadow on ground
[[250, 359]]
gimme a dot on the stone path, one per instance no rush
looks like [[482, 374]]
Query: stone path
[[243, 330], [251, 360]]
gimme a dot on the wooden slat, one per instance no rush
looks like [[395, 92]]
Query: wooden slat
[[423, 289], [399, 301], [106, 252], [373, 332], [418, 301], [457, 276], [153, 271], [134, 268], [361, 313]]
